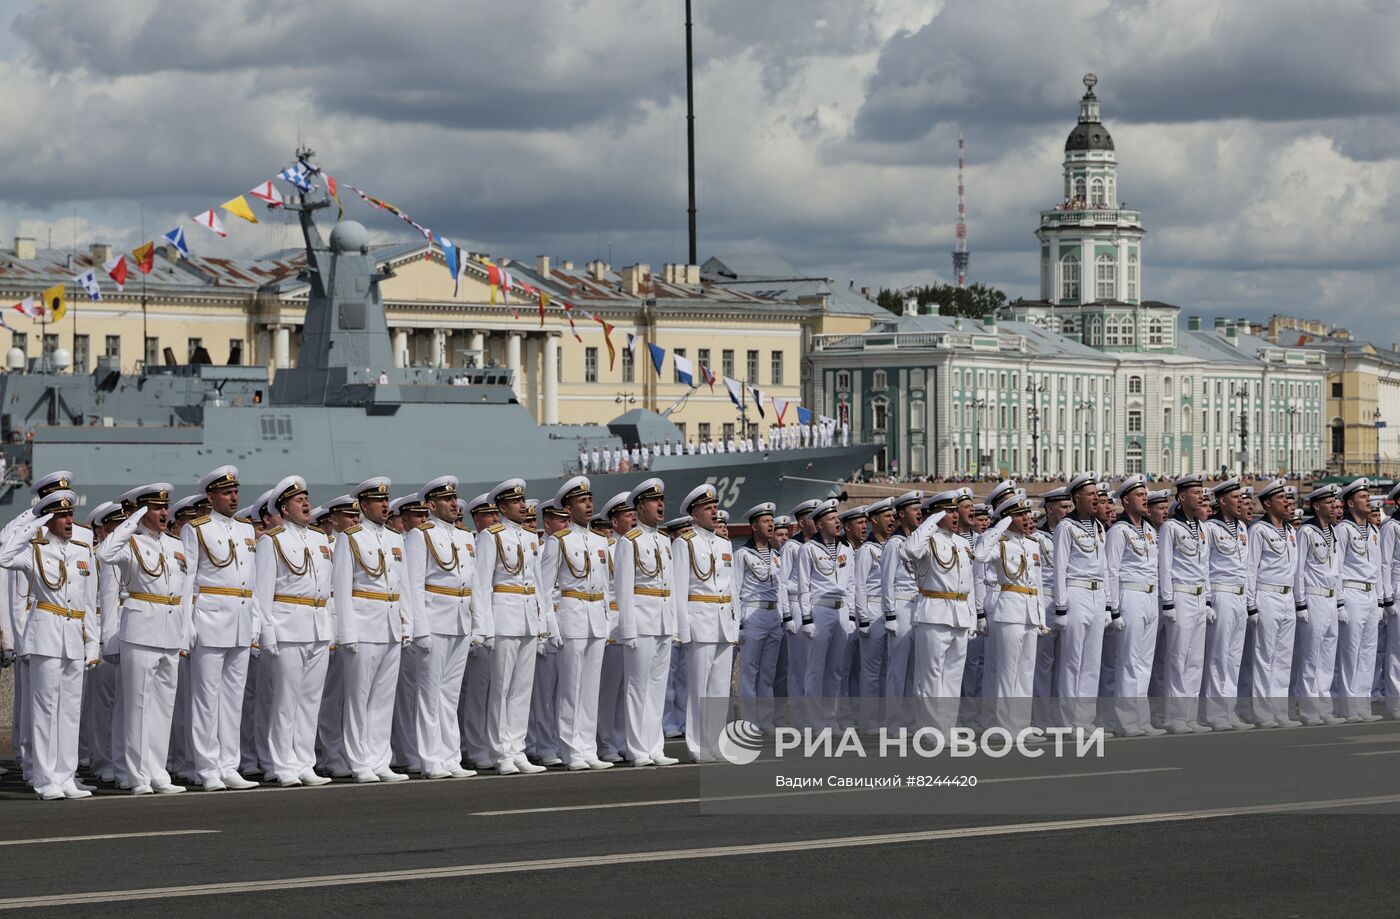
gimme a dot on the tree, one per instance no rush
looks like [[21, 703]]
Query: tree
[[974, 301]]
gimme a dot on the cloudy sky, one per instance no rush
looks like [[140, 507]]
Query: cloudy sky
[[1260, 140]]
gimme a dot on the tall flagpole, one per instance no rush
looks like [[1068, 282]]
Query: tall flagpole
[[690, 130], [143, 291]]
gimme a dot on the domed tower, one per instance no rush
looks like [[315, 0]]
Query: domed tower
[[1090, 248]]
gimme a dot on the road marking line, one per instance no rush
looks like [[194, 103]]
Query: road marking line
[[1392, 737], [1377, 753], [629, 858], [778, 794], [48, 839]]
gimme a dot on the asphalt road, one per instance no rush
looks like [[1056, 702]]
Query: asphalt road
[[1280, 823]]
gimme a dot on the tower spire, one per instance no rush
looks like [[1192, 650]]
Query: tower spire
[[960, 254]]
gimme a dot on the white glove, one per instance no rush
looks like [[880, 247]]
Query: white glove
[[891, 625], [809, 629], [1210, 614], [540, 645], [1117, 624], [423, 644], [1302, 612], [848, 625], [631, 643], [1169, 613], [272, 649], [128, 526], [348, 646], [790, 624], [489, 642], [1061, 619], [1342, 616], [557, 641], [865, 629]]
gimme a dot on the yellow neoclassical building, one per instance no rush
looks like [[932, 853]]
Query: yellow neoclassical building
[[746, 318]]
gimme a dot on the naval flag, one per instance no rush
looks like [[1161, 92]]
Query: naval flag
[[88, 279], [736, 392], [176, 238], [210, 221], [658, 356], [684, 369], [116, 270]]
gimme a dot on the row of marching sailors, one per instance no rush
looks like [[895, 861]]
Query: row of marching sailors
[[1165, 615]]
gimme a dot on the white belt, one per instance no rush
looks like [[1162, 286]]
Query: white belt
[[829, 604], [1326, 592], [1139, 586], [1236, 589], [762, 604], [1187, 588], [1360, 585], [906, 597], [1275, 588], [1087, 583]]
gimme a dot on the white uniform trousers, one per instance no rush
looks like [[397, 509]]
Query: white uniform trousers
[[403, 739], [1012, 648], [102, 686], [796, 663], [827, 657], [760, 640], [180, 762], [1136, 645], [580, 668], [709, 673], [1356, 653], [371, 677], [673, 716], [645, 667], [1391, 668], [1315, 659], [1081, 654], [542, 734], [874, 672], [940, 651], [508, 709], [1223, 654], [298, 675], [436, 731], [899, 665], [330, 722], [117, 736], [476, 694], [149, 676], [1183, 658], [255, 730], [55, 713], [218, 677], [87, 729], [20, 733], [1046, 691], [1271, 658], [612, 704]]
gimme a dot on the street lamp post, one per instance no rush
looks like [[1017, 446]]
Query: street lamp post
[[1241, 392], [977, 407], [1033, 416], [1088, 407], [1292, 424], [1376, 417]]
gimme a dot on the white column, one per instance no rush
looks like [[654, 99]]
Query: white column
[[478, 344], [401, 347], [440, 348], [551, 379], [532, 364], [513, 360], [282, 346]]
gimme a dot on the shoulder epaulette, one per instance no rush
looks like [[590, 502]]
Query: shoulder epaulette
[[424, 526], [687, 534], [461, 526], [199, 521], [354, 529], [275, 530], [612, 540], [496, 528], [559, 535], [316, 529], [40, 541], [79, 542], [633, 533]]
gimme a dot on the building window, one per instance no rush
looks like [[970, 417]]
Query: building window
[[81, 352], [1129, 330], [1113, 337], [1167, 423], [727, 362], [704, 429], [1079, 188], [1134, 386], [1045, 292], [152, 351], [1069, 278], [114, 348], [843, 381], [751, 367], [1093, 330], [879, 415], [1336, 390], [776, 369], [1133, 458], [1133, 278], [194, 344], [916, 415], [590, 365], [728, 430], [675, 368], [879, 380], [1338, 437], [629, 366], [1134, 421], [703, 357], [1105, 277], [1097, 192]]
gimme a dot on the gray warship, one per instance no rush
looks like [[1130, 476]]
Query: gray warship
[[336, 422]]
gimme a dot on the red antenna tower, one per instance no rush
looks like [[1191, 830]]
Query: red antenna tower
[[960, 254]]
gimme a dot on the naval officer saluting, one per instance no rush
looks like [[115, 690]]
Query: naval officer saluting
[[219, 594]]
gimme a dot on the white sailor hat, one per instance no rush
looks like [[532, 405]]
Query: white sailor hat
[[444, 486], [651, 488], [617, 504], [804, 508], [1058, 493], [1231, 484], [1190, 481], [54, 481], [1355, 485], [411, 503], [261, 506], [908, 498], [509, 490], [577, 487], [1394, 493], [244, 514], [1004, 488], [219, 479], [286, 490], [1292, 491], [1159, 497], [1080, 481], [344, 504], [532, 506], [860, 510], [678, 523], [1297, 513], [100, 513], [1323, 491], [156, 494], [1247, 492], [397, 505], [62, 501], [481, 504], [765, 509], [1014, 503], [319, 512], [1131, 483], [1377, 503], [879, 507], [127, 499], [1275, 487], [551, 508], [699, 496], [829, 506], [784, 522], [722, 516], [943, 500], [375, 487], [1105, 488]]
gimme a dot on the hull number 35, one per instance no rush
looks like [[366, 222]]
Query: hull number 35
[[727, 489]]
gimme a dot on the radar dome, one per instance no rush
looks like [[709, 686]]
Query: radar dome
[[62, 360], [14, 359], [349, 236]]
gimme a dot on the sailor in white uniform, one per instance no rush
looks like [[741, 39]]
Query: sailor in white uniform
[[1226, 616], [1271, 565], [1317, 601], [899, 594], [476, 691], [616, 519], [103, 682], [1130, 548], [1183, 548], [825, 595], [1056, 505], [1390, 580], [793, 643], [339, 514], [1081, 601], [1359, 615], [1017, 618], [869, 611], [542, 741], [762, 601]]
